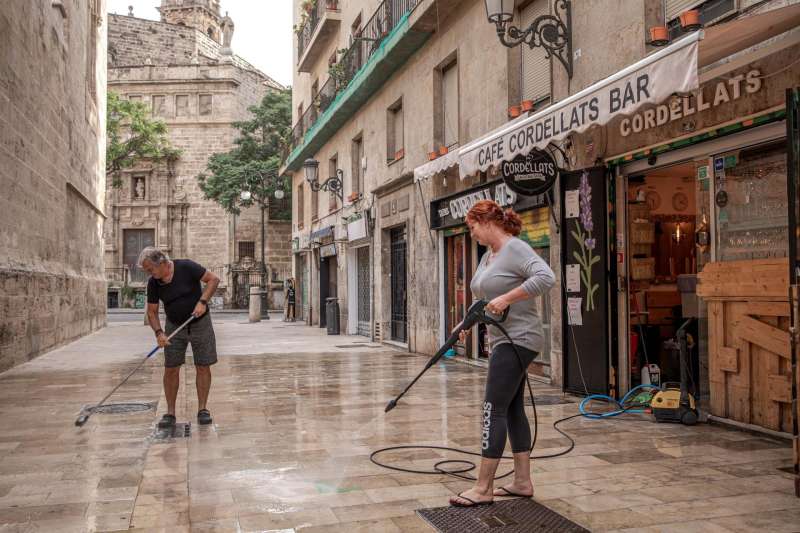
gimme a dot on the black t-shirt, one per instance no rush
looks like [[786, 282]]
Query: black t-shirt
[[290, 295], [180, 295]]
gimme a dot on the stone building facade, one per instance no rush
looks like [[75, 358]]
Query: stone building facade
[[418, 81], [52, 159], [180, 69]]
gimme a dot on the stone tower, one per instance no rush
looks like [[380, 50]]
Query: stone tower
[[203, 15]]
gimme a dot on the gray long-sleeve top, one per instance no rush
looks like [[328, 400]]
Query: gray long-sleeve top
[[515, 265]]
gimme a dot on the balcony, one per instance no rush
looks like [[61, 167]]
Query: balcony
[[383, 45], [321, 26]]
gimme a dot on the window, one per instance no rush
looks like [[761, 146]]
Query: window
[[159, 105], [247, 249], [205, 104], [450, 104], [535, 77], [333, 165], [356, 153], [182, 105], [394, 131], [301, 206]]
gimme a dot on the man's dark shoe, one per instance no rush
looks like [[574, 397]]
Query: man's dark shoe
[[203, 417], [166, 422]]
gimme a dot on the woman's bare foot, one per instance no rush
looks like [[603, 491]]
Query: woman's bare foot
[[471, 497], [519, 489]]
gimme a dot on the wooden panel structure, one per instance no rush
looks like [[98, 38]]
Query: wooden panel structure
[[749, 343]]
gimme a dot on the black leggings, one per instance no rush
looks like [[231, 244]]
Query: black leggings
[[504, 404]]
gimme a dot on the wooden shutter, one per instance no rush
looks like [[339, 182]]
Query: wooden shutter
[[535, 64], [674, 8], [450, 94], [398, 129]]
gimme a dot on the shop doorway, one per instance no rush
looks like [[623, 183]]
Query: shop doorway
[[666, 231], [458, 272], [398, 245], [327, 285], [363, 291]]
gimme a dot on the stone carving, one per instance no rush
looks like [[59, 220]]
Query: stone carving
[[227, 27], [139, 189]]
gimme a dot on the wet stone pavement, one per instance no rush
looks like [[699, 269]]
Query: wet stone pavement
[[297, 414]]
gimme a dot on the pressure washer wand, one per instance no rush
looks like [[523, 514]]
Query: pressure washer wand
[[84, 416], [476, 313]]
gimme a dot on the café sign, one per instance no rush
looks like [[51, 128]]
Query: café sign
[[451, 210], [530, 174]]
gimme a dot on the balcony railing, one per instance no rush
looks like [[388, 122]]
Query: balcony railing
[[365, 43], [306, 33]]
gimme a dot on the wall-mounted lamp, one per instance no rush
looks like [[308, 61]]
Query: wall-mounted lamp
[[551, 32], [332, 184]]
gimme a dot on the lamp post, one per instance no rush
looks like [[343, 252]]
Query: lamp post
[[551, 32], [261, 197], [332, 184]]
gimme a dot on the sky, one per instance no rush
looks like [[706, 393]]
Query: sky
[[262, 34]]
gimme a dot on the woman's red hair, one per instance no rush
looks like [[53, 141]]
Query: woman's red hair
[[489, 211]]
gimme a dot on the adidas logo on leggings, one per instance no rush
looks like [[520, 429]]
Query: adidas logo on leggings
[[487, 414]]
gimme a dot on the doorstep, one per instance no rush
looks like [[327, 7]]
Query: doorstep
[[396, 344]]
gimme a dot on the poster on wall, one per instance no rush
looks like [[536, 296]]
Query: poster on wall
[[573, 278]]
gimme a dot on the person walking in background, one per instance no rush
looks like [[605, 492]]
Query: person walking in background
[[289, 312]]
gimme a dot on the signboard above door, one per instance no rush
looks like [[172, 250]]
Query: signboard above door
[[531, 174]]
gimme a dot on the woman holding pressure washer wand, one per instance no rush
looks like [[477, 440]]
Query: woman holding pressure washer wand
[[510, 274]]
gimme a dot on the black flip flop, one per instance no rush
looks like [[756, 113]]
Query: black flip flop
[[512, 494], [472, 503], [166, 422], [203, 417]]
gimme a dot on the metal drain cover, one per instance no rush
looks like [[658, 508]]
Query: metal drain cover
[[520, 515], [178, 431], [120, 408]]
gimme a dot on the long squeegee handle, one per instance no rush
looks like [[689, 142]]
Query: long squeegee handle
[[154, 350]]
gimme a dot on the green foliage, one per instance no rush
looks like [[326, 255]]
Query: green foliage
[[252, 165], [133, 136]]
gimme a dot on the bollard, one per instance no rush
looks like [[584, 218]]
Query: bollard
[[255, 304]]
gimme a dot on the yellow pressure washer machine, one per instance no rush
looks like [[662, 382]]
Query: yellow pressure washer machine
[[674, 402]]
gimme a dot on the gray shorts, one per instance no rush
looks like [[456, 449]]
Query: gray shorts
[[200, 334]]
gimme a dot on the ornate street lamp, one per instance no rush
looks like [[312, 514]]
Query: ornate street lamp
[[551, 32], [332, 184]]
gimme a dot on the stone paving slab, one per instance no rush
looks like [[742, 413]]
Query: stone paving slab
[[295, 420]]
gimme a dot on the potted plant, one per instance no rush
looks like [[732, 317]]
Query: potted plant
[[308, 5], [443, 150], [659, 36], [353, 197], [690, 20], [526, 105], [432, 155], [513, 111], [400, 153]]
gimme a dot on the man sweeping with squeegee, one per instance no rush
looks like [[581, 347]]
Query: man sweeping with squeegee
[[177, 284]]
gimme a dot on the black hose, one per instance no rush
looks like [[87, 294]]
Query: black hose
[[461, 473]]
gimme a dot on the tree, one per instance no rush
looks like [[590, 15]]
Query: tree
[[252, 165], [133, 136]]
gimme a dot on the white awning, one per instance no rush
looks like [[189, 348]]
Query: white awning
[[671, 70], [440, 164]]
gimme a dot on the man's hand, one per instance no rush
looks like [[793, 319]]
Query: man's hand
[[462, 336], [162, 339], [200, 309]]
